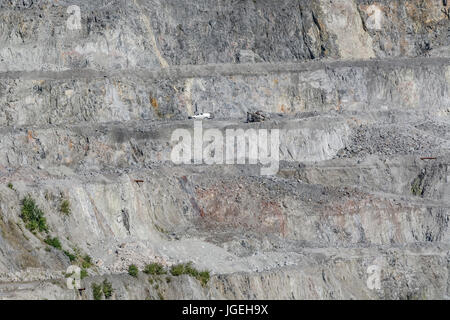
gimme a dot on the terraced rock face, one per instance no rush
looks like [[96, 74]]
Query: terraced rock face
[[92, 91]]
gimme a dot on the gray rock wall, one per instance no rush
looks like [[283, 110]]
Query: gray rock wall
[[360, 91]]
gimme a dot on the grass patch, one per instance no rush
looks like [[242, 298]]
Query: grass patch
[[65, 207], [416, 186], [177, 270], [86, 261], [154, 269], [203, 277], [33, 216], [83, 273], [54, 242], [161, 229], [187, 268], [97, 291], [71, 257], [133, 270], [107, 289]]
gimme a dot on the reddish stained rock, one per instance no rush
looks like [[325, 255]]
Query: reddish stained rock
[[224, 205]]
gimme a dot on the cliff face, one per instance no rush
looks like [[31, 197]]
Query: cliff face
[[91, 92], [111, 35]]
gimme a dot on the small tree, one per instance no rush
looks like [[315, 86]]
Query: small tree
[[65, 207], [33, 216], [107, 289], [97, 291], [133, 270]]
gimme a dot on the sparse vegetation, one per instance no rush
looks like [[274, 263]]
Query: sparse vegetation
[[83, 273], [160, 229], [54, 242], [107, 289], [97, 291], [10, 185], [86, 261], [203, 277], [177, 270], [186, 268], [33, 216], [133, 270], [65, 207], [155, 269], [416, 186], [71, 257]]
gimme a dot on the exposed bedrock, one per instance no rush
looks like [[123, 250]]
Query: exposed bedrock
[[357, 207]]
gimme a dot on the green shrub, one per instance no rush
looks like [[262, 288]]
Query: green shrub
[[107, 289], [71, 257], [83, 273], [65, 207], [155, 269], [186, 268], [97, 291], [33, 216], [177, 270], [416, 186], [86, 261], [10, 185], [133, 270], [54, 242], [203, 277], [189, 270]]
